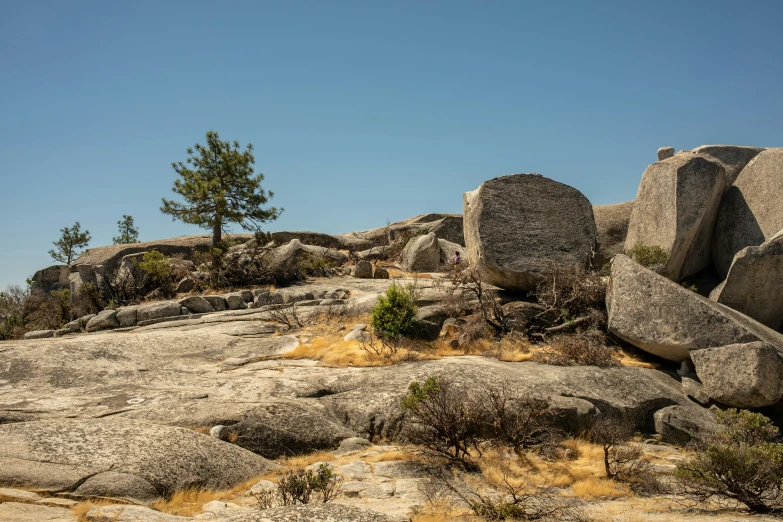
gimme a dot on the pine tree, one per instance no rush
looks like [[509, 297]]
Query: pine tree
[[128, 233], [219, 187], [70, 244]]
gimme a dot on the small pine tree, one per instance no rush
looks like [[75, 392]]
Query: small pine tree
[[219, 187], [128, 232], [70, 244]]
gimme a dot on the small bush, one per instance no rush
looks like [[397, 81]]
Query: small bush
[[305, 486], [157, 266], [444, 420], [621, 460], [579, 349], [315, 266], [23, 311], [742, 464], [393, 316], [649, 256]]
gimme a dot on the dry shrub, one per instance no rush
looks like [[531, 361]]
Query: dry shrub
[[573, 297], [579, 349], [622, 460], [188, 502]]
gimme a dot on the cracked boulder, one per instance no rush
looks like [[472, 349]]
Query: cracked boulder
[[675, 209], [119, 457], [665, 319], [515, 225]]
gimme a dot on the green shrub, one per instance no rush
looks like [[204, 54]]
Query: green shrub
[[741, 464], [649, 256], [157, 266], [314, 265], [393, 316], [304, 486]]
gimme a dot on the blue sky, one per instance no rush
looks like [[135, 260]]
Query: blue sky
[[361, 112]]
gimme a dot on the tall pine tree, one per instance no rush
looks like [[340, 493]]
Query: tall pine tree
[[219, 187]]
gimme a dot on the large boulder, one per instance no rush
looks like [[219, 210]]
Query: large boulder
[[157, 310], [754, 284], [732, 157], [448, 250], [663, 318], [284, 428], [51, 279], [197, 305], [421, 254], [514, 225], [675, 209], [103, 321], [750, 212], [611, 223], [119, 457], [741, 375]]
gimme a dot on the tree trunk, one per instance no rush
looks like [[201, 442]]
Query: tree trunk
[[217, 232]]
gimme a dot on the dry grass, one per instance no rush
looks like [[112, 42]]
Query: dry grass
[[440, 511], [389, 455], [81, 509], [334, 352], [188, 502], [395, 273]]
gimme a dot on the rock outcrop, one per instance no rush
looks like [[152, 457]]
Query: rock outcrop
[[317, 513], [675, 209], [734, 158], [119, 457], [668, 320], [103, 321], [750, 212], [288, 257], [754, 284], [611, 223], [514, 225], [421, 254], [741, 375]]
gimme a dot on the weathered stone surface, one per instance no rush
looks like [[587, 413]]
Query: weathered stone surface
[[695, 390], [380, 273], [126, 513], [665, 153], [515, 224], [39, 334], [247, 295], [352, 444], [51, 278], [363, 270], [217, 302], [19, 512], [268, 298], [317, 513], [358, 335], [150, 311], [675, 209], [665, 319], [61, 454], [118, 485], [741, 375], [734, 158], [750, 212], [196, 305], [678, 424], [105, 320], [127, 316], [445, 226], [289, 428], [611, 223], [235, 301], [421, 254], [754, 284]]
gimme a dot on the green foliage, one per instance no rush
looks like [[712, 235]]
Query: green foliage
[[649, 256], [128, 232], [70, 244], [157, 266], [418, 392], [741, 464], [393, 316], [692, 288], [219, 187], [304, 486], [23, 311]]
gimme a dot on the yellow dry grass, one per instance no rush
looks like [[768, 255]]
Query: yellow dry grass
[[389, 455], [334, 352], [81, 509], [188, 502], [439, 511]]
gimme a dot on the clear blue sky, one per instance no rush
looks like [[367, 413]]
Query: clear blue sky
[[361, 112]]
